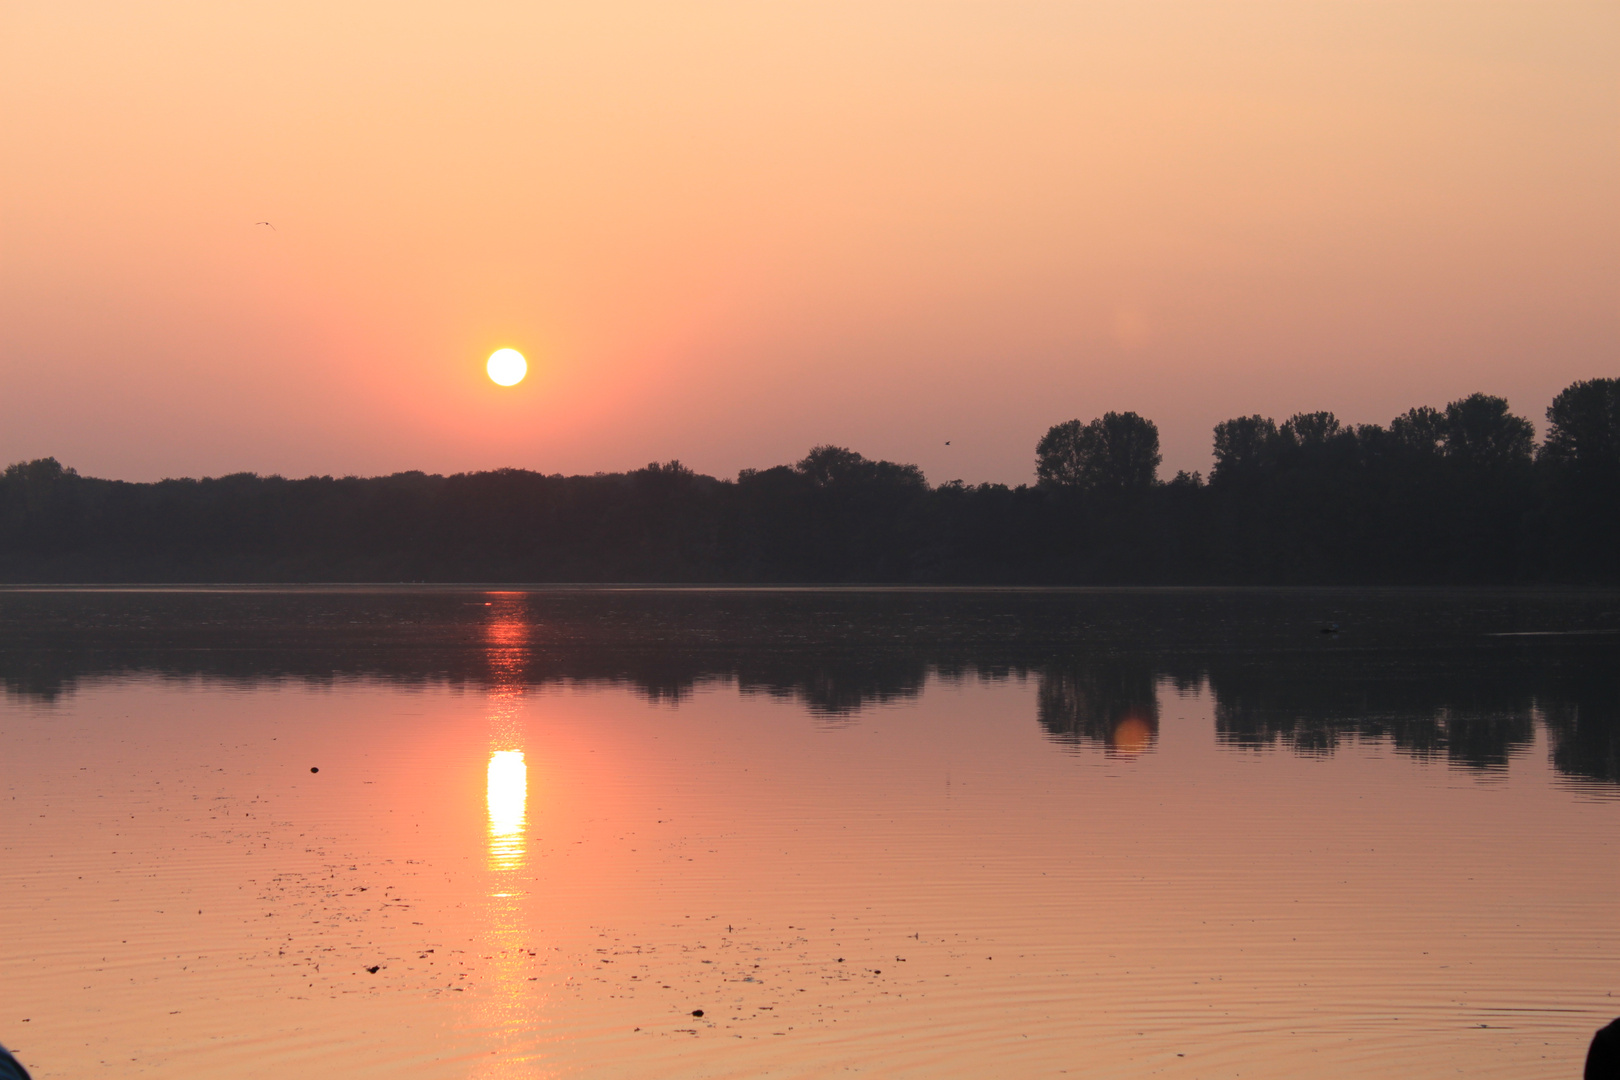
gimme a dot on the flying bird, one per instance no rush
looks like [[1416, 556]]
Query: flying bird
[[947, 442], [272, 227]]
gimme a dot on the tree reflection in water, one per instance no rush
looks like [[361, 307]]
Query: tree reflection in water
[[1102, 702], [1464, 677]]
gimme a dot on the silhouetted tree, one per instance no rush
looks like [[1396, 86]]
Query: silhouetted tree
[[1583, 432], [1420, 431], [1118, 452], [1580, 467], [1245, 449], [1480, 432], [1438, 496], [1311, 429], [834, 466]]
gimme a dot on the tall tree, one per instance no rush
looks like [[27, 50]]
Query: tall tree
[[1117, 452], [1581, 468], [1584, 427], [1420, 431], [1245, 446], [1311, 429], [1482, 433]]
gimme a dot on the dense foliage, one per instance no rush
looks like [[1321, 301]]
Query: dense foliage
[[1456, 495]]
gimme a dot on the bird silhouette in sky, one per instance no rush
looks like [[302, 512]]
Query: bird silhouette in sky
[[272, 227]]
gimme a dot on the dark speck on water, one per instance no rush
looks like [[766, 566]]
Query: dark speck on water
[[313, 768]]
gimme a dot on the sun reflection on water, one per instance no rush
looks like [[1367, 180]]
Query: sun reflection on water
[[505, 1007], [507, 795], [1132, 735]]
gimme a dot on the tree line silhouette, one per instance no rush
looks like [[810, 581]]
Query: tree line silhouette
[[1455, 495]]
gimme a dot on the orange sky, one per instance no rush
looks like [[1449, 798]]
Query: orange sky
[[726, 231]]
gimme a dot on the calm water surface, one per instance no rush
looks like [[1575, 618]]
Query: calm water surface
[[904, 834]]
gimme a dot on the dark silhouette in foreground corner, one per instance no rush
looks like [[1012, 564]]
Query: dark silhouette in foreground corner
[[10, 1067], [1603, 1059]]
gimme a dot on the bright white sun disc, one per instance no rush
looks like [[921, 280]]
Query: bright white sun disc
[[507, 367]]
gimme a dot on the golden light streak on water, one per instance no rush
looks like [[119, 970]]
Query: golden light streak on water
[[504, 1008], [506, 1004], [507, 795]]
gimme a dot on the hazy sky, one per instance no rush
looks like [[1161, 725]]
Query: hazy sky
[[726, 231]]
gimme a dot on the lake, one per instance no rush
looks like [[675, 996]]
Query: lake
[[460, 832]]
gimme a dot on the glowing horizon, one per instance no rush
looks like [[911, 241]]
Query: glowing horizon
[[270, 239]]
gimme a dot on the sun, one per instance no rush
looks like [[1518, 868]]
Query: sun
[[507, 367]]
